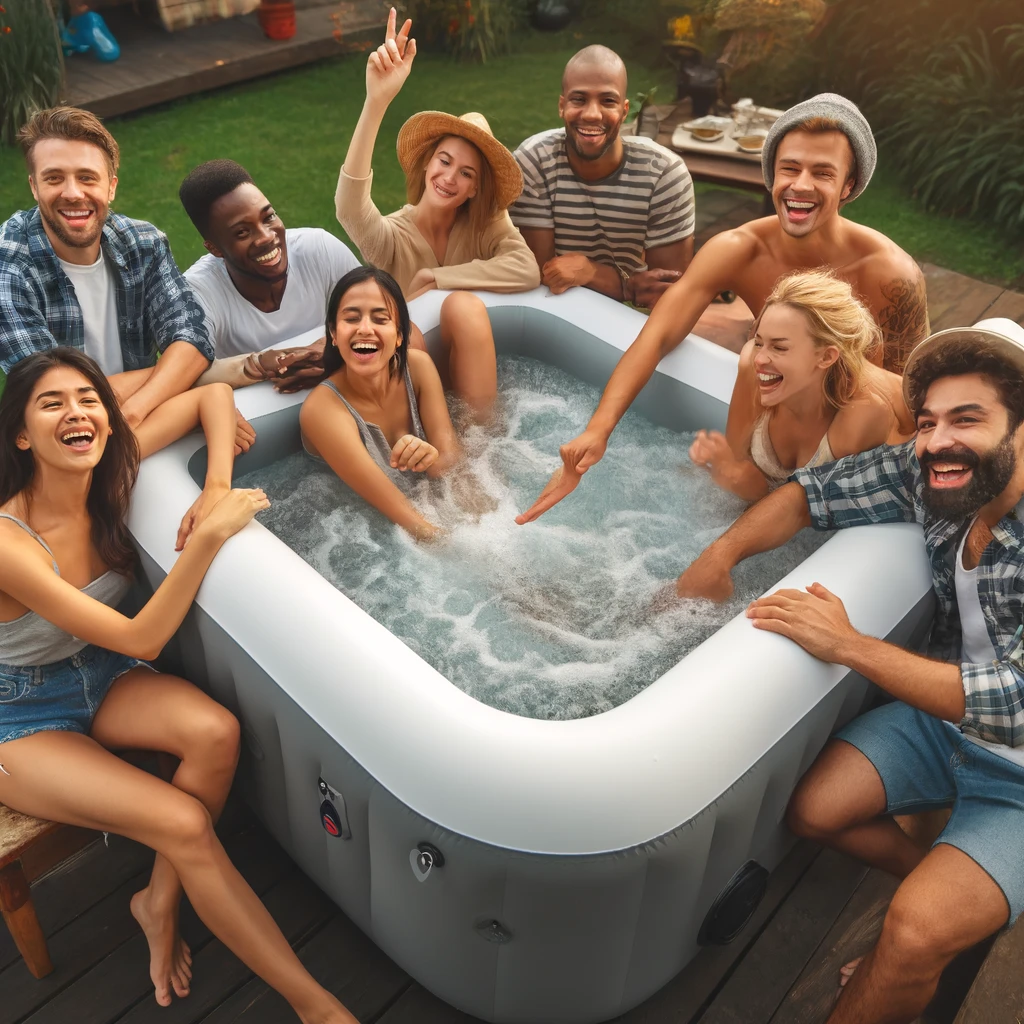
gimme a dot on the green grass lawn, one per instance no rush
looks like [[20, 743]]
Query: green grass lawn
[[291, 130]]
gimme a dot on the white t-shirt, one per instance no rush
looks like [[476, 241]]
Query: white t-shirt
[[977, 646], [94, 289], [316, 261]]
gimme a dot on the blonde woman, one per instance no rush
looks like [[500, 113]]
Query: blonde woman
[[805, 391], [454, 233]]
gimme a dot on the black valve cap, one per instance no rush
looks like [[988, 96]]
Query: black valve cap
[[329, 819]]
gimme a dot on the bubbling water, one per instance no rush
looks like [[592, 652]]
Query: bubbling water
[[563, 618]]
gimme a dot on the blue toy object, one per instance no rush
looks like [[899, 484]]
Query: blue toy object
[[88, 31]]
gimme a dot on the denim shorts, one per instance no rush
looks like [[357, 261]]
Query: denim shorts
[[62, 696], [926, 763]]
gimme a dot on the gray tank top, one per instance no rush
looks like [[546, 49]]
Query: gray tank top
[[373, 437], [32, 640]]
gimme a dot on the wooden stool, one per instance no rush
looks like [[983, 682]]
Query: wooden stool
[[28, 848]]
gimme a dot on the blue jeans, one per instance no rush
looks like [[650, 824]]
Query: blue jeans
[[62, 696], [926, 763]]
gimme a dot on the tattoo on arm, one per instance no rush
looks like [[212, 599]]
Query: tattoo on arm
[[904, 321]]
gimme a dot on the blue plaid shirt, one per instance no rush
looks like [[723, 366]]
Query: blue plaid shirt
[[39, 310], [885, 486]]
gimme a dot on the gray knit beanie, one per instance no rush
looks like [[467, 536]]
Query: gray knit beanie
[[853, 124]]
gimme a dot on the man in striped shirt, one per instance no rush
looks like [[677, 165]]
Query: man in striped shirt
[[602, 211]]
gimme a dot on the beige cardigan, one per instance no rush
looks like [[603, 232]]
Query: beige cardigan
[[498, 261]]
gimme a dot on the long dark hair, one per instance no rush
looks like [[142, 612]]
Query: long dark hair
[[115, 473], [396, 303]]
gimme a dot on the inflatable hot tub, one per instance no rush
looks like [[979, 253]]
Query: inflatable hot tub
[[523, 870]]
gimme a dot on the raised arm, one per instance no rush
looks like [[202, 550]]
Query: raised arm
[[386, 71], [330, 428], [31, 581], [670, 322]]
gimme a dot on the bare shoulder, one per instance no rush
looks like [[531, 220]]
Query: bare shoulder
[[892, 285], [747, 355], [421, 365], [863, 424], [740, 243]]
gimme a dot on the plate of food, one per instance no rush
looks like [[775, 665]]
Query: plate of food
[[708, 129], [750, 142]]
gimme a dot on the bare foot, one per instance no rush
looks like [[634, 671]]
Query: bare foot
[[846, 972], [170, 959]]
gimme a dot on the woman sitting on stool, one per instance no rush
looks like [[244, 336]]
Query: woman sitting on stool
[[455, 233], [74, 684]]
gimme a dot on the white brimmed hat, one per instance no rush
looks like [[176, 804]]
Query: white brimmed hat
[[429, 126], [998, 335]]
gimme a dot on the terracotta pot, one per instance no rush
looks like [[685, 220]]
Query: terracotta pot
[[277, 18]]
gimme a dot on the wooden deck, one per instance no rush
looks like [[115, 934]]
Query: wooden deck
[[156, 66], [821, 909]]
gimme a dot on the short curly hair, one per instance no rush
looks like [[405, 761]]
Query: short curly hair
[[971, 353], [205, 184]]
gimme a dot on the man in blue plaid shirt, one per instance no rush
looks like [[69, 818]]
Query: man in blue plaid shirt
[[72, 273], [954, 736]]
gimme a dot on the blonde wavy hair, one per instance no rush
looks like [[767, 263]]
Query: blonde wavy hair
[[834, 317], [480, 210]]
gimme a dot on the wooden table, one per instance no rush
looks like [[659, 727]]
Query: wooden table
[[714, 169]]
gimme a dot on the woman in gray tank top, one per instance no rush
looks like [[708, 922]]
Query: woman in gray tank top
[[379, 417], [73, 682]]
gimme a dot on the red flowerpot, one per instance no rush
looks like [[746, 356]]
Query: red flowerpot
[[277, 18]]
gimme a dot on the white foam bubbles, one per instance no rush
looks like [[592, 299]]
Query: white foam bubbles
[[551, 620]]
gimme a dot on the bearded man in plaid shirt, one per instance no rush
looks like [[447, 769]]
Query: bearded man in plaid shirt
[[954, 736]]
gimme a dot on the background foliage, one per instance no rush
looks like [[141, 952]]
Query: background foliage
[[31, 63], [943, 85], [470, 29]]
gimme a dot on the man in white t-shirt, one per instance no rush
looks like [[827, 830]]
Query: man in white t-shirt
[[261, 284], [954, 735]]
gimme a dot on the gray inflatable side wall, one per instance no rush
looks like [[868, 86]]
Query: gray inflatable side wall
[[503, 935]]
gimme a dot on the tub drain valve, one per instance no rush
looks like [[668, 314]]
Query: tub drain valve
[[424, 858]]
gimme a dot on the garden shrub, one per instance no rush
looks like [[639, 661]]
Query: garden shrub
[[943, 86], [31, 63], [469, 29]]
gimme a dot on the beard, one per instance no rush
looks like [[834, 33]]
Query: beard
[[609, 141], [59, 228], [990, 476]]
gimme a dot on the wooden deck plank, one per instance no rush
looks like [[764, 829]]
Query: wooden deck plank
[[298, 907], [955, 300], [997, 994], [343, 960], [1009, 304], [156, 66], [79, 884], [855, 931], [100, 959], [763, 977]]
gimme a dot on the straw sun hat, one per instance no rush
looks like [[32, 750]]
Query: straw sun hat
[[997, 334], [425, 129]]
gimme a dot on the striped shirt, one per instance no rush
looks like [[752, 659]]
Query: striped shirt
[[885, 486], [646, 203]]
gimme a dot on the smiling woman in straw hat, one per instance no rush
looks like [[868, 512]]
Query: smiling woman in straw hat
[[455, 232]]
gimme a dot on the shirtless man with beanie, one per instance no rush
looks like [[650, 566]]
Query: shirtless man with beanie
[[818, 157]]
